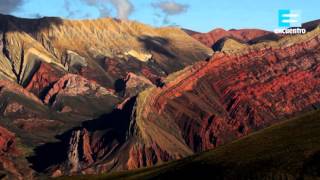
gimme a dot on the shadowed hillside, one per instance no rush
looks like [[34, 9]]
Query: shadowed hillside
[[289, 150]]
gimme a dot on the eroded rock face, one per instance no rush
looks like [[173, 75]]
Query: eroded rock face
[[72, 91], [43, 79], [96, 146], [39, 54], [74, 62], [10, 168], [143, 156], [82, 47], [231, 96], [199, 108], [7, 141], [74, 85], [136, 84]]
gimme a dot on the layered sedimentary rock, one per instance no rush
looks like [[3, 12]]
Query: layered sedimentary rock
[[56, 73], [232, 95], [206, 105], [26, 115], [43, 79], [85, 47], [73, 93], [96, 95]]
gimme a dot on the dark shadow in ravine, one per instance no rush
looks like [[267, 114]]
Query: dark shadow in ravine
[[115, 125]]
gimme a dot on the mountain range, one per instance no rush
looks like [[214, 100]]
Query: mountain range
[[107, 95]]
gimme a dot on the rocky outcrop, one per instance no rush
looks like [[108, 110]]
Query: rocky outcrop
[[7, 141], [74, 62], [135, 84], [11, 165], [99, 145], [43, 79], [74, 85], [142, 156], [72, 90]]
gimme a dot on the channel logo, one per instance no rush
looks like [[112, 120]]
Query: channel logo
[[289, 22], [289, 18]]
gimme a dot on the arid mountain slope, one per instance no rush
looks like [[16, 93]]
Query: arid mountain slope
[[92, 96], [56, 73], [102, 50], [201, 107], [213, 102]]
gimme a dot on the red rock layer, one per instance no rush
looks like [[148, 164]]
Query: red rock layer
[[75, 85], [8, 155], [246, 35], [43, 78], [7, 141], [142, 156], [78, 95], [230, 96]]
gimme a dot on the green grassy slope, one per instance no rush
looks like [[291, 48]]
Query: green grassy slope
[[289, 150]]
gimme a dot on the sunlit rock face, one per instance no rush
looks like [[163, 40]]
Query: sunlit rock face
[[102, 50]]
